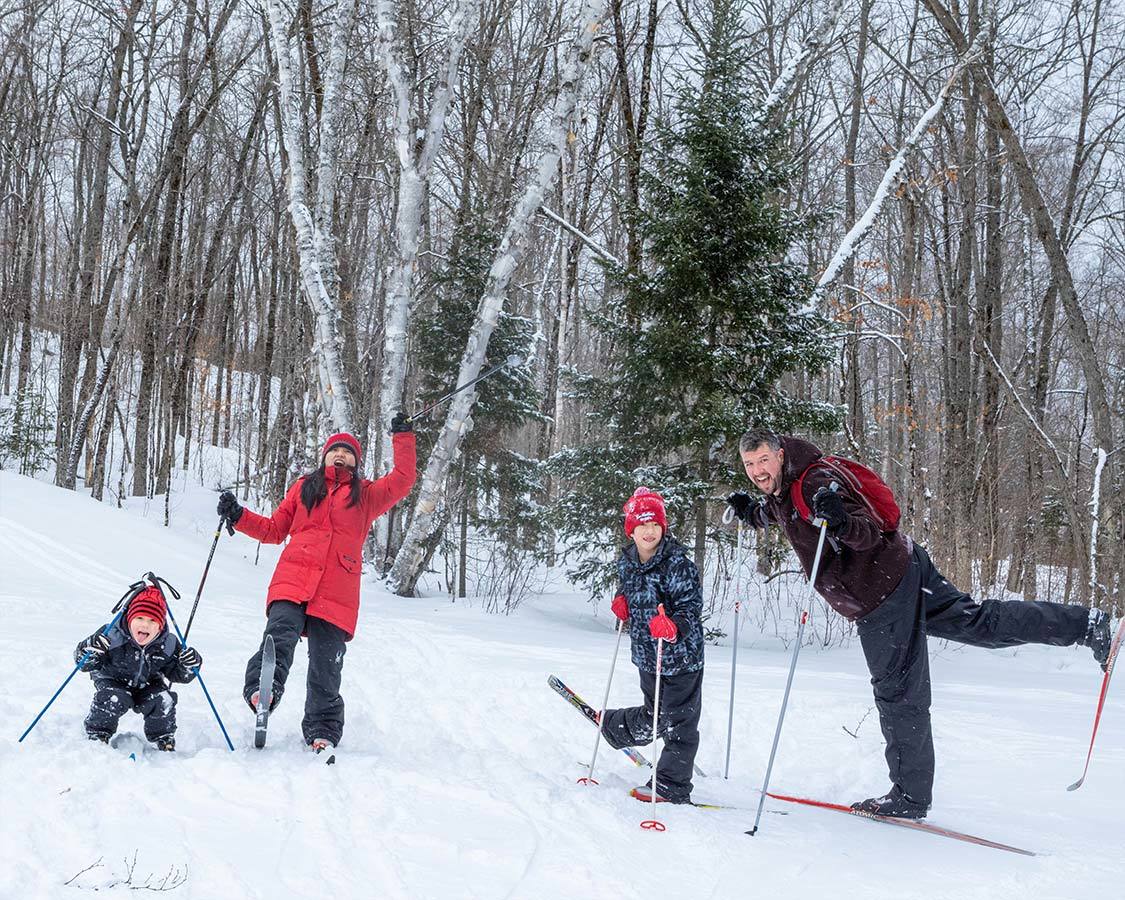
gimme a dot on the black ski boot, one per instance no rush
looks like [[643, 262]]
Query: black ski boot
[[98, 736], [895, 804], [166, 742], [1098, 637]]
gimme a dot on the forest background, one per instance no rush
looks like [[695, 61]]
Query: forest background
[[896, 226]]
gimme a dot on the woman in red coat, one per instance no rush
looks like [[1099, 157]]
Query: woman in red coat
[[326, 515]]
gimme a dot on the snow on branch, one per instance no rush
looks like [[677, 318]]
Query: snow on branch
[[890, 181], [597, 248], [795, 69], [1046, 438]]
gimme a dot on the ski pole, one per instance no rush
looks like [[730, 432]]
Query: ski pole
[[206, 569], [199, 677], [792, 668], [119, 608], [654, 824], [514, 360], [159, 583], [734, 651], [589, 779]]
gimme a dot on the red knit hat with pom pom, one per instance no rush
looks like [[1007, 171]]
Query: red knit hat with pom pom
[[643, 507]]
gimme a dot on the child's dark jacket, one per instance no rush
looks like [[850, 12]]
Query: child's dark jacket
[[671, 578], [132, 666]]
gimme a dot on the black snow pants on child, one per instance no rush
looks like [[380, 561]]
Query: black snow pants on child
[[893, 637], [324, 707], [112, 699], [681, 702]]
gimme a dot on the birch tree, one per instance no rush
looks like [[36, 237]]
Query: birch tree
[[312, 219], [416, 149], [408, 563]]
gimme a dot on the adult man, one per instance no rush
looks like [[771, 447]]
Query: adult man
[[888, 586]]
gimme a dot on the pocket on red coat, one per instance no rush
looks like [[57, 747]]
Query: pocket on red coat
[[350, 564]]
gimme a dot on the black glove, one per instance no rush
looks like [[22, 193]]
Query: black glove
[[401, 424], [229, 507], [827, 504], [94, 651], [96, 646], [742, 504], [189, 658]]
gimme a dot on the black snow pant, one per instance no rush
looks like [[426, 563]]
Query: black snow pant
[[681, 702], [112, 699], [324, 707], [893, 637]]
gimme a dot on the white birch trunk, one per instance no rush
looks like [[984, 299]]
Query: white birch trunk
[[312, 246], [890, 181], [415, 160], [1095, 513], [404, 573]]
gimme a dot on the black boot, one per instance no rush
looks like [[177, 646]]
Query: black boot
[[166, 742], [98, 736], [895, 804], [1098, 637]]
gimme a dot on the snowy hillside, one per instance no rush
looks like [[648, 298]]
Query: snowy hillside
[[456, 776]]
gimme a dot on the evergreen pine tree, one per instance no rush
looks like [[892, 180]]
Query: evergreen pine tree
[[703, 336], [495, 483]]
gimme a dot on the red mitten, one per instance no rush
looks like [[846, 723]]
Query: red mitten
[[620, 607], [662, 627]]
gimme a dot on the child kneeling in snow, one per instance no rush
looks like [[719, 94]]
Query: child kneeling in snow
[[131, 666], [655, 570]]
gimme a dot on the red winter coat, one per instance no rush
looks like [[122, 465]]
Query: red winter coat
[[321, 565]]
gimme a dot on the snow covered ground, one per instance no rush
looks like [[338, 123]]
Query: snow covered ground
[[457, 773]]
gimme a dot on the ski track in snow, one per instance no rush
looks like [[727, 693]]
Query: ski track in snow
[[456, 777]]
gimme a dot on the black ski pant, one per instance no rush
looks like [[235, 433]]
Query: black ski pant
[[324, 707], [681, 702], [893, 637], [112, 699]]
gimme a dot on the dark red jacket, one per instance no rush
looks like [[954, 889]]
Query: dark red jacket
[[321, 565], [861, 565]]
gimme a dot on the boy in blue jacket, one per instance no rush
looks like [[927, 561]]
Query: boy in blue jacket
[[654, 569], [132, 666]]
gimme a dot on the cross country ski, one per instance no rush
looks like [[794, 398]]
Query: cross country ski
[[265, 692], [913, 824]]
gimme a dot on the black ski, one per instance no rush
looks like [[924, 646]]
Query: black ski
[[265, 692], [591, 716]]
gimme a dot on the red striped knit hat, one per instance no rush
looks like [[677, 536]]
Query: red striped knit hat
[[149, 602]]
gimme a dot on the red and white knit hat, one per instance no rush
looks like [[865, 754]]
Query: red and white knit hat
[[643, 507], [149, 602]]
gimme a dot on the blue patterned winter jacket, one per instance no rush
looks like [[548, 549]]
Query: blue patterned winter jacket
[[671, 578]]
